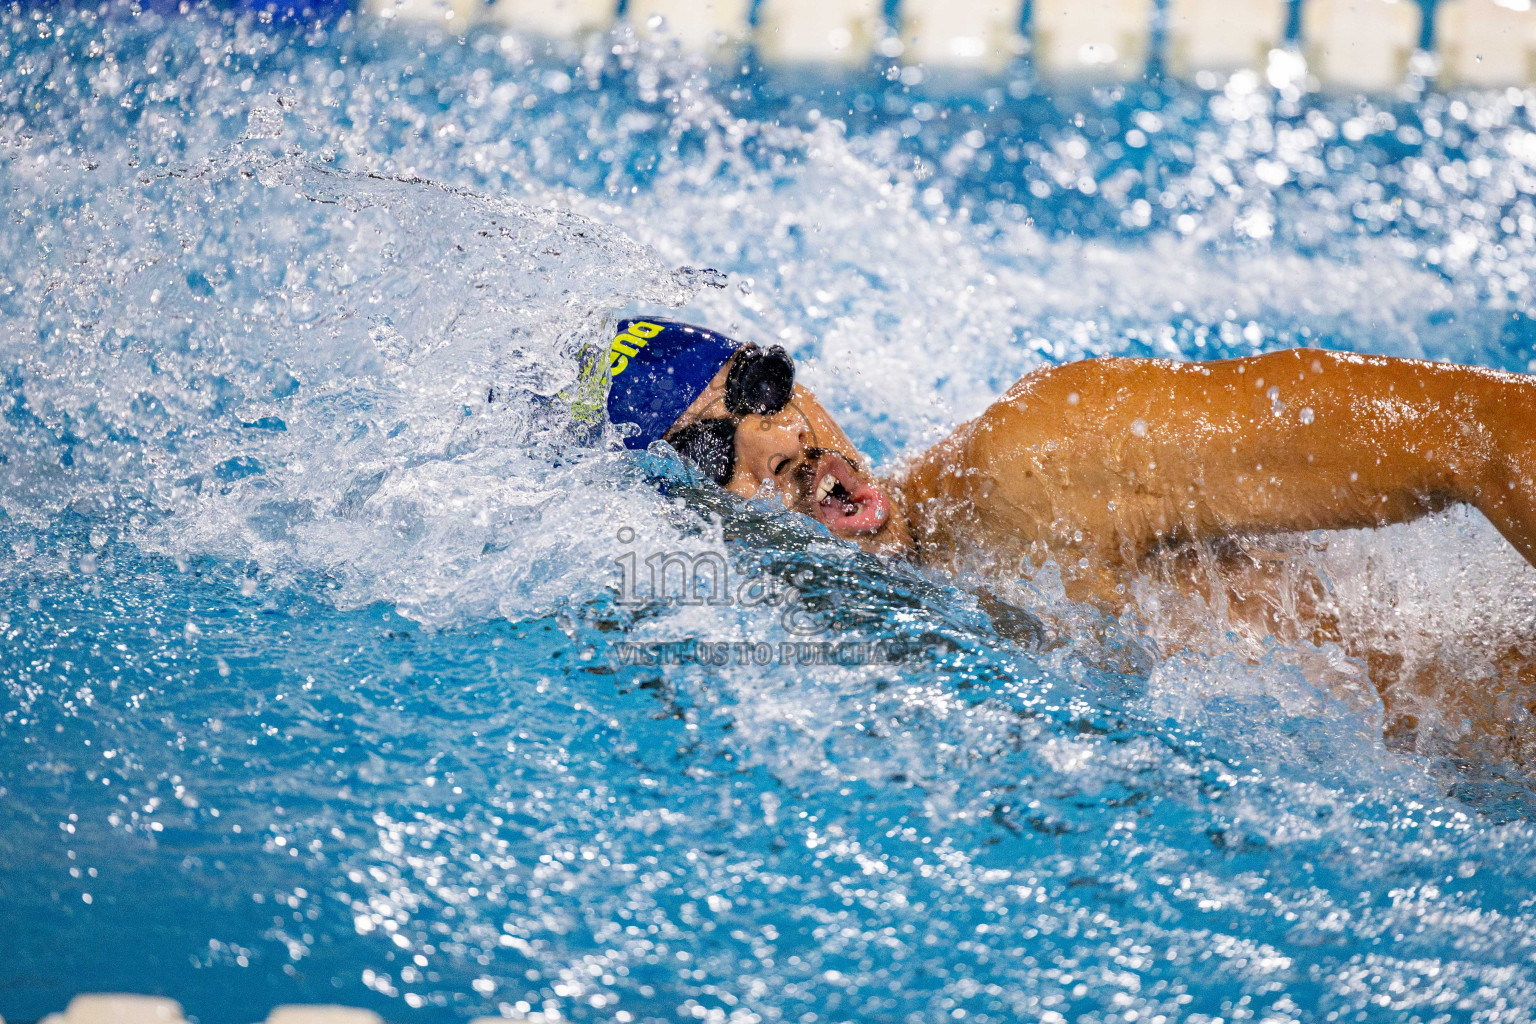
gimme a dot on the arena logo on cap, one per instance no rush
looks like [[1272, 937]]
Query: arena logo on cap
[[629, 343]]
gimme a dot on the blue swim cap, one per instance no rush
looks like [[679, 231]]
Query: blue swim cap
[[657, 368]]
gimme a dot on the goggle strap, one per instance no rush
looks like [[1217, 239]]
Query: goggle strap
[[710, 445]]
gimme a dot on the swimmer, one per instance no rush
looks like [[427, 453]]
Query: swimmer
[[1107, 465], [1102, 463]]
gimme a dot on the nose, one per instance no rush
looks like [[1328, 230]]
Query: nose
[[794, 425], [790, 424]]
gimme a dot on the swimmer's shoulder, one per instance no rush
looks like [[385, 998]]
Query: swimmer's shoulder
[[1070, 384], [1053, 400]]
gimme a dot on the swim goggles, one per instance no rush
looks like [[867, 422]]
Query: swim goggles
[[759, 383]]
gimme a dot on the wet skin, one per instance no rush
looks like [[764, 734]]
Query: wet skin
[[1100, 464], [1115, 469]]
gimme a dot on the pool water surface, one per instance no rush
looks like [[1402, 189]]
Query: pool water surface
[[322, 680]]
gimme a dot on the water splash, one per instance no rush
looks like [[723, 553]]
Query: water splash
[[287, 313]]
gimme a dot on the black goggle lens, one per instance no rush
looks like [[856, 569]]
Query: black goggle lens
[[759, 382]]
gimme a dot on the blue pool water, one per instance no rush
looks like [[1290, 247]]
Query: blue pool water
[[322, 679]]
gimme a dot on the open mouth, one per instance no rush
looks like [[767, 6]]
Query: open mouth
[[842, 502]]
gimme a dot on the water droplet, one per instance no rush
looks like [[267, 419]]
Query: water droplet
[[264, 123]]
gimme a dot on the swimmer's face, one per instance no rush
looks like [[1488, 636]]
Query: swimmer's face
[[810, 463]]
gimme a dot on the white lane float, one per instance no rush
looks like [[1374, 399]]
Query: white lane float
[[1360, 44]]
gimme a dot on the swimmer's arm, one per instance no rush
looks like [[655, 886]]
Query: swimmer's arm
[[1117, 457]]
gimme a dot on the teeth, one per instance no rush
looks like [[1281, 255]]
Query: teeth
[[825, 487]]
